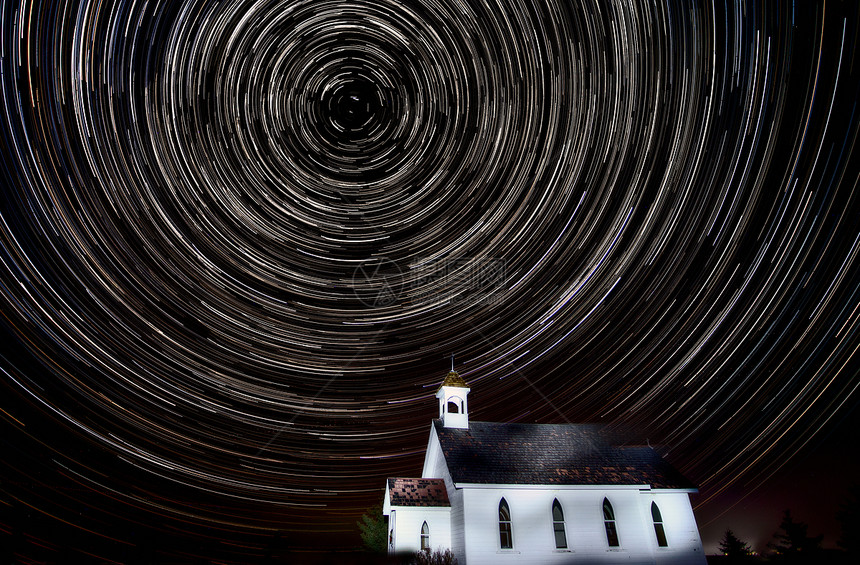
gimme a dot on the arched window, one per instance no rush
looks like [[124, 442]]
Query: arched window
[[506, 539], [609, 524], [659, 531], [452, 407], [558, 525], [425, 537]]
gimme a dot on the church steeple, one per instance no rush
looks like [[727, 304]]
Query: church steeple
[[453, 404]]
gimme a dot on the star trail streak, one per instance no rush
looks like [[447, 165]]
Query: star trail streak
[[239, 239]]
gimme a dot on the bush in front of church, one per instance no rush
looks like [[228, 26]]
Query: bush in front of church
[[438, 557]]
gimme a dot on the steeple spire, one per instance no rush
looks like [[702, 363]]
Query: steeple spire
[[453, 405]]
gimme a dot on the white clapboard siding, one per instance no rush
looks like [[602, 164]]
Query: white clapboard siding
[[534, 542], [407, 527]]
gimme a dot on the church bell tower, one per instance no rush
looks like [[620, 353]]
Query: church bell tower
[[453, 404]]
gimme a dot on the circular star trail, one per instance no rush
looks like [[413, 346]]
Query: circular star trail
[[240, 238]]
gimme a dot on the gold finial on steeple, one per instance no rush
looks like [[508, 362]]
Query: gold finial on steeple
[[453, 378]]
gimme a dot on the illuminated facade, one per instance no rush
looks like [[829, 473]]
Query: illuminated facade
[[539, 493]]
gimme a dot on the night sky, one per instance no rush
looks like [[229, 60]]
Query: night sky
[[241, 239]]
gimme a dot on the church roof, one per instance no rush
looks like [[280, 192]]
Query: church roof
[[454, 379], [550, 454], [417, 492]]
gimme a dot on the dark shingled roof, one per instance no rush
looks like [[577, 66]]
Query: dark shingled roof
[[417, 492], [550, 454]]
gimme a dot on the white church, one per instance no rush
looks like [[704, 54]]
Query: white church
[[540, 494]]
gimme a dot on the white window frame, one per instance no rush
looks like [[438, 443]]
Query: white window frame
[[613, 521], [556, 523], [509, 522], [424, 537], [661, 524]]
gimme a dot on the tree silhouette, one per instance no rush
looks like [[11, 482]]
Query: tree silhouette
[[733, 548], [374, 530], [793, 545], [849, 518]]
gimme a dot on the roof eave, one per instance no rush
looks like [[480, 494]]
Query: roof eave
[[401, 506], [542, 486]]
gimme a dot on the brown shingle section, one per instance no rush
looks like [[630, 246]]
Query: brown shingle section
[[417, 492], [454, 379], [548, 454]]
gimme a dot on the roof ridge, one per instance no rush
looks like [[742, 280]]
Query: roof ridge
[[546, 454]]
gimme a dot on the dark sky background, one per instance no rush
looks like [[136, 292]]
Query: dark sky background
[[240, 239]]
